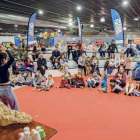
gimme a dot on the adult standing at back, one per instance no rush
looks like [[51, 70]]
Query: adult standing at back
[[69, 49], [65, 49], [112, 48], [103, 49], [7, 95], [82, 62], [42, 64], [14, 52]]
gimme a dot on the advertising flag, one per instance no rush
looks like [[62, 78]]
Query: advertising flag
[[80, 29], [31, 26], [118, 28]]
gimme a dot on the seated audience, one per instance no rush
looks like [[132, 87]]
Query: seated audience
[[56, 64], [136, 71], [122, 61], [130, 49], [129, 87], [106, 66], [97, 79], [55, 55], [49, 83], [62, 62], [13, 80], [114, 87], [20, 80], [112, 48], [103, 84], [137, 50], [43, 49], [128, 67], [90, 81], [88, 65], [82, 62], [120, 77], [136, 91], [42, 64], [35, 53], [112, 64], [65, 49], [94, 65], [29, 80], [103, 49], [64, 83], [25, 53], [72, 80], [79, 81], [29, 65], [37, 78], [42, 85], [20, 65]]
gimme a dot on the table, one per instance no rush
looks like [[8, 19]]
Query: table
[[11, 132]]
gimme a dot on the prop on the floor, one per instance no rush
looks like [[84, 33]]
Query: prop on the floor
[[8, 116], [22, 131]]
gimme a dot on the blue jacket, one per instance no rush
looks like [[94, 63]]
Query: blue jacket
[[104, 82]]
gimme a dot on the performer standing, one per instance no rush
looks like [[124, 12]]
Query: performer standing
[[7, 95]]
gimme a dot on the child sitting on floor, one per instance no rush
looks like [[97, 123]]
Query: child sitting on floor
[[114, 87], [129, 87], [103, 84], [106, 64], [64, 83], [49, 83], [136, 91], [97, 78], [88, 65], [29, 80], [79, 81], [90, 81], [37, 78], [20, 80], [72, 80], [42, 86], [13, 80]]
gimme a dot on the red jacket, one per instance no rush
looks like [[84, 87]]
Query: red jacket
[[64, 82], [79, 80]]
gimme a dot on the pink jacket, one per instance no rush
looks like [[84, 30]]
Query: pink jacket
[[43, 82], [127, 63]]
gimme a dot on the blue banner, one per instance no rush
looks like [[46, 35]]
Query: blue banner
[[52, 41], [31, 26], [118, 28], [17, 41], [80, 29]]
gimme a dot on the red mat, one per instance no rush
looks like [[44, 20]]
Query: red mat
[[83, 114]]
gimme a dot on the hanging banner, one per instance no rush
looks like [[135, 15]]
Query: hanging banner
[[17, 41], [80, 29], [52, 41], [118, 28], [31, 26]]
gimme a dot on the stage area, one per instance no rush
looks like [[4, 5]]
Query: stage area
[[83, 114]]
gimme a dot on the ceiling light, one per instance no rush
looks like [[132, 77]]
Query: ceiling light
[[0, 28], [105, 29], [91, 26], [125, 2], [59, 31], [136, 18], [79, 8], [70, 23], [36, 31], [16, 25], [40, 12], [102, 19], [124, 28]]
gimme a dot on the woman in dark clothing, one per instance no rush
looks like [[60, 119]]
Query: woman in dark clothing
[[69, 49], [42, 64], [35, 53], [7, 95]]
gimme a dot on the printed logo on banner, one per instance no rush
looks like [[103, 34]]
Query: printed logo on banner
[[31, 29], [118, 25]]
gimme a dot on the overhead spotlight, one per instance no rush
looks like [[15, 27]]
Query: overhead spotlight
[[40, 12], [0, 28], [70, 20], [125, 2], [91, 26], [70, 23], [16, 25], [136, 18], [124, 28], [59, 31], [105, 29], [36, 31], [79, 8], [102, 19]]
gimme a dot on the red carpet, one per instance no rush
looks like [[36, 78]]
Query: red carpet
[[83, 114]]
